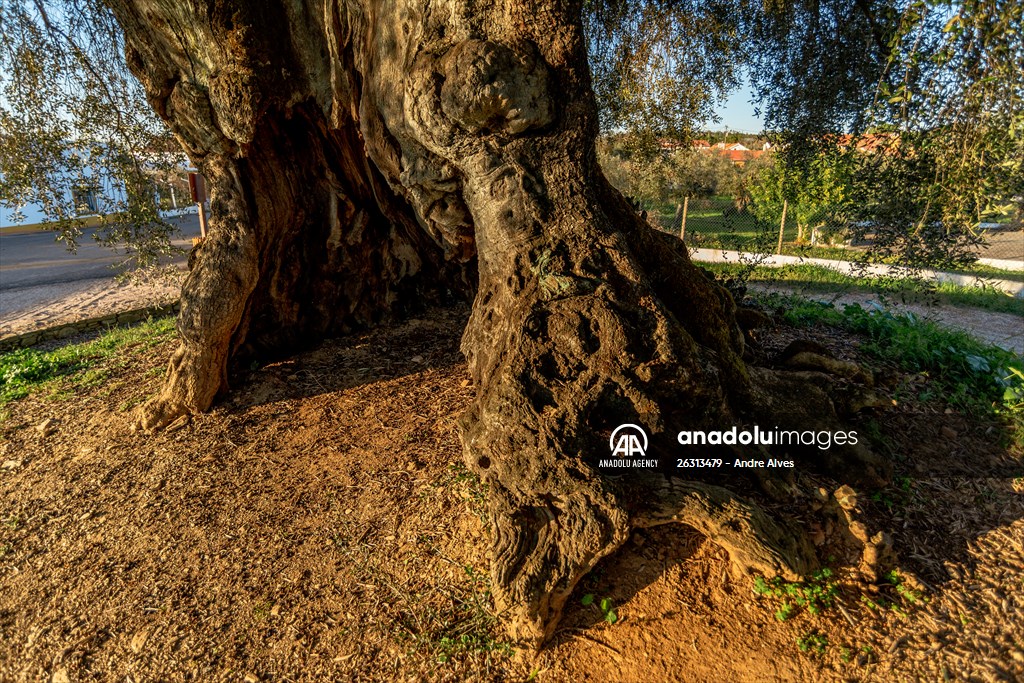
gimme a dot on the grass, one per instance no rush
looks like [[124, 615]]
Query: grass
[[981, 270], [815, 278], [965, 373], [25, 371], [812, 643]]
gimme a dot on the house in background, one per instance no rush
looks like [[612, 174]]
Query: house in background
[[736, 152], [101, 193]]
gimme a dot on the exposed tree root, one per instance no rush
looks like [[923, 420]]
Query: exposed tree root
[[756, 541]]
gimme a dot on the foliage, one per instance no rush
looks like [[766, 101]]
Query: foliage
[[813, 642], [934, 103], [605, 605], [817, 193], [660, 66], [77, 136], [24, 370], [815, 595], [665, 177]]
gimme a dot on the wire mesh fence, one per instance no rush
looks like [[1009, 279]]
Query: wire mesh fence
[[727, 223]]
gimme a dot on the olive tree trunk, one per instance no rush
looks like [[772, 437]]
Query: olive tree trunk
[[364, 156]]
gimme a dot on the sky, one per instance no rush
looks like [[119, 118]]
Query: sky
[[737, 113]]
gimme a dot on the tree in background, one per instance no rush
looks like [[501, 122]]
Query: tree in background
[[818, 194], [940, 108], [666, 177], [74, 123]]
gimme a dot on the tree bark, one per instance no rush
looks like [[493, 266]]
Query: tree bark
[[360, 155]]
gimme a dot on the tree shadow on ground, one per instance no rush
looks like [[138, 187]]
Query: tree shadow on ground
[[418, 344]]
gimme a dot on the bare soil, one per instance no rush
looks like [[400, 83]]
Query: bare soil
[[320, 525]]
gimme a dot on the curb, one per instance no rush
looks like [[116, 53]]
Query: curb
[[1014, 289], [135, 315], [25, 230]]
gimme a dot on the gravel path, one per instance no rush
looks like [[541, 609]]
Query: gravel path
[[44, 306]]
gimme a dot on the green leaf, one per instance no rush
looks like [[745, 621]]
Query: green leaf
[[587, 600]]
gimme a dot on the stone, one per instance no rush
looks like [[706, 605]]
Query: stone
[[47, 426], [846, 497]]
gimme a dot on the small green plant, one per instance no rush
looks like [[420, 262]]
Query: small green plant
[[605, 606], [469, 630], [896, 580], [813, 643], [816, 594], [448, 648]]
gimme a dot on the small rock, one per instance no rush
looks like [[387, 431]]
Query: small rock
[[140, 638], [948, 433], [464, 383], [417, 359], [47, 426], [177, 424], [250, 677], [275, 611], [859, 531], [846, 497], [11, 464], [60, 676]]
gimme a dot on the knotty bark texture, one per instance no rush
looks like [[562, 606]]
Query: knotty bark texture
[[364, 155]]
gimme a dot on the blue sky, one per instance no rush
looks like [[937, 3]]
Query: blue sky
[[737, 113]]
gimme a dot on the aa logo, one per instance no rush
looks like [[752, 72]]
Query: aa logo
[[628, 440]]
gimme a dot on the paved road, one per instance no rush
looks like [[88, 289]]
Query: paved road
[[34, 259]]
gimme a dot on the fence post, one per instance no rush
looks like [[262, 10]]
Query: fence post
[[782, 225], [682, 224]]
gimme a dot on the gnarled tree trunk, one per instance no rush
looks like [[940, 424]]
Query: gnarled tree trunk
[[360, 155]]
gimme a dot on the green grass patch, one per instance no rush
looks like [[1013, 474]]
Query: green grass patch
[[812, 643], [964, 372], [981, 270], [815, 278], [27, 370]]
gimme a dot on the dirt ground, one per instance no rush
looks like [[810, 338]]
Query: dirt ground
[[319, 525]]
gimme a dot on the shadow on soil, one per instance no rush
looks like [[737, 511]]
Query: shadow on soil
[[416, 345]]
